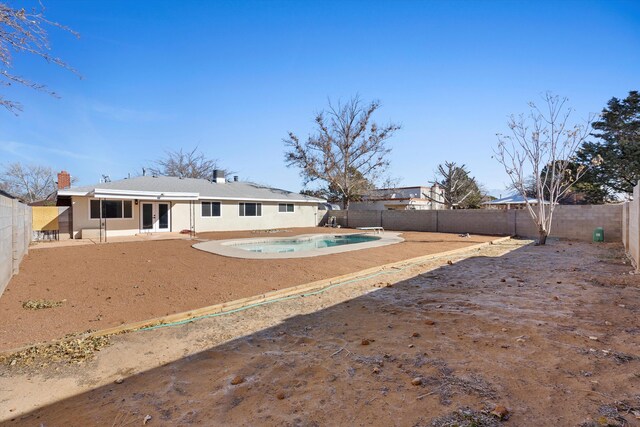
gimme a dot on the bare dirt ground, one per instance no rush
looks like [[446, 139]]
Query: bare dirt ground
[[107, 285], [550, 333]]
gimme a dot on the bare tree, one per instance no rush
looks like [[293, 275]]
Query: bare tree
[[542, 145], [185, 164], [390, 183], [24, 31], [28, 182], [348, 151], [460, 189]]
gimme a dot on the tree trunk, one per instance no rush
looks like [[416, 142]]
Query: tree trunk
[[542, 237], [345, 203]]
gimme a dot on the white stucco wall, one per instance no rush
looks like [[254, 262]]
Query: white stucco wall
[[304, 215], [115, 227], [180, 215]]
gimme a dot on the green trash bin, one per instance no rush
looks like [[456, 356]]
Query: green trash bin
[[598, 234]]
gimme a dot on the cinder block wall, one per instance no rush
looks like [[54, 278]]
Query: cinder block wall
[[477, 221], [6, 241], [570, 222], [578, 222], [15, 236], [631, 224], [409, 220], [365, 219]]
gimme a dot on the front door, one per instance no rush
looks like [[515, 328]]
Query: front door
[[155, 217]]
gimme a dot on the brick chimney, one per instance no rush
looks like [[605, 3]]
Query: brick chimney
[[64, 180]]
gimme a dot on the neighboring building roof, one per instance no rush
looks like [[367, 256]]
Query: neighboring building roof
[[50, 200], [43, 202], [173, 188], [323, 206], [5, 194], [399, 199], [514, 199], [407, 188], [417, 192]]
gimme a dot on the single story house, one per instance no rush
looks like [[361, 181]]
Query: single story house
[[402, 198], [515, 201], [158, 204]]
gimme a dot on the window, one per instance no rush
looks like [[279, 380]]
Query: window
[[250, 209], [127, 209], [210, 208], [111, 209], [285, 207]]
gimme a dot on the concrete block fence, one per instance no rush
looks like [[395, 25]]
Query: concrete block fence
[[570, 222], [15, 236]]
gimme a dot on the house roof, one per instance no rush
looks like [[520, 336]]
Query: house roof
[[514, 199], [173, 188]]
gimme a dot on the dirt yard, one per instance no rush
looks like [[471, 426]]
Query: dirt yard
[[100, 286], [550, 334]]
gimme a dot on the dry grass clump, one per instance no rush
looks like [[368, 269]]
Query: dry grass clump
[[465, 417], [446, 384], [39, 304], [615, 414], [70, 350]]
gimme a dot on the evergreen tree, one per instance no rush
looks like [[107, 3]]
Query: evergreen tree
[[461, 191], [618, 131]]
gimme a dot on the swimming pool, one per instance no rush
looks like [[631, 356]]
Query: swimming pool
[[304, 244]]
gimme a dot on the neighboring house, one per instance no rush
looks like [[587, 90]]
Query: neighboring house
[[326, 206], [48, 201], [170, 204], [403, 198], [7, 195], [575, 198], [515, 201]]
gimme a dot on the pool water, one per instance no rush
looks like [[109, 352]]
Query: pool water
[[301, 245]]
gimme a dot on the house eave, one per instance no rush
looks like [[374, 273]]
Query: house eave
[[250, 199], [101, 193], [72, 193]]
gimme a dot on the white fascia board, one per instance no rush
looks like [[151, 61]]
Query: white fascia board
[[100, 193], [249, 199], [73, 193]]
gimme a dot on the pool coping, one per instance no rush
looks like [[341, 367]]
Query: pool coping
[[225, 247]]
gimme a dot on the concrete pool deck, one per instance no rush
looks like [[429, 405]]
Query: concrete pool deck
[[228, 248]]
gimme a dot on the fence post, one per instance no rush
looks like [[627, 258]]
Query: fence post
[[14, 242], [625, 226], [28, 230], [634, 226]]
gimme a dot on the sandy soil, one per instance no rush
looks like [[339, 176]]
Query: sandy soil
[[549, 332], [112, 284]]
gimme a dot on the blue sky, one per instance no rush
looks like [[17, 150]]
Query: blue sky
[[234, 77]]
